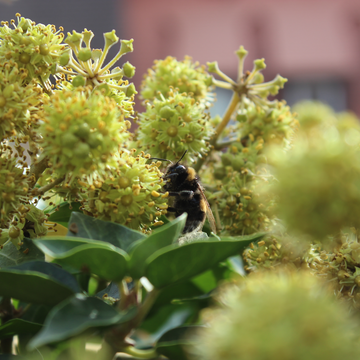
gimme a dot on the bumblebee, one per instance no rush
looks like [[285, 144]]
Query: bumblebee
[[184, 186]]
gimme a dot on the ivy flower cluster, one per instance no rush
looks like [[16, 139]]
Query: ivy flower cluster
[[128, 193]]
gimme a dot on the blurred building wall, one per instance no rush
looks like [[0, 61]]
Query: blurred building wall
[[315, 44]]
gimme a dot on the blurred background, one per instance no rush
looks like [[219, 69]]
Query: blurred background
[[315, 44]]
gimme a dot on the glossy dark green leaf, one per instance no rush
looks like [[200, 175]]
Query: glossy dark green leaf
[[107, 262], [63, 214], [11, 256], [84, 226], [11, 357], [18, 327], [172, 343], [51, 270], [32, 287], [165, 318], [74, 316], [177, 263], [165, 236], [55, 246], [185, 289]]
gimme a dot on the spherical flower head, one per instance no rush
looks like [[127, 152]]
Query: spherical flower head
[[238, 178], [314, 116], [278, 249], [35, 47], [337, 263], [275, 124], [128, 193], [170, 126], [18, 101], [84, 66], [13, 186], [186, 76], [277, 316], [82, 130], [317, 187], [240, 209]]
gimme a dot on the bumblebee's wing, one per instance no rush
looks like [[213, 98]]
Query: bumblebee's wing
[[209, 213]]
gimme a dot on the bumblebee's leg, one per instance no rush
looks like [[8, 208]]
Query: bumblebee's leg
[[183, 194]]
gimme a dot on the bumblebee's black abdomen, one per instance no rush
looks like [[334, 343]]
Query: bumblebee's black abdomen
[[193, 207]]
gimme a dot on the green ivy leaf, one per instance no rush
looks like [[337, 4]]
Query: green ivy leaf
[[107, 262], [18, 327], [177, 263], [34, 286], [75, 315], [165, 236], [11, 256], [172, 342], [60, 245], [52, 270], [84, 226]]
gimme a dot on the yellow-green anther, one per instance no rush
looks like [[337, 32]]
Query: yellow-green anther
[[110, 39], [129, 70], [126, 46], [84, 54]]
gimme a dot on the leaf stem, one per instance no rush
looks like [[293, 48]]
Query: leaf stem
[[49, 186], [6, 314], [141, 354], [225, 120]]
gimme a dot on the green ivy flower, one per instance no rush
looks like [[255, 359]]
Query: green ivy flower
[[277, 316], [185, 76], [13, 186], [128, 193], [275, 124], [35, 47], [82, 130], [170, 126], [18, 101], [87, 67], [237, 199], [317, 187]]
